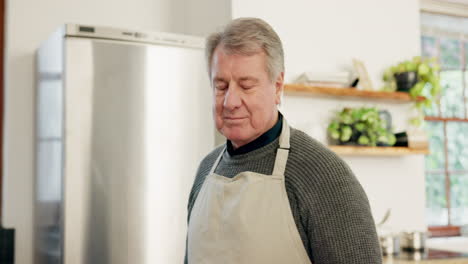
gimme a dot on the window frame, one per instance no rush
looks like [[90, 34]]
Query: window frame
[[458, 10]]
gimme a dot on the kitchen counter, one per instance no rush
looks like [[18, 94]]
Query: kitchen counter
[[429, 256], [434, 261]]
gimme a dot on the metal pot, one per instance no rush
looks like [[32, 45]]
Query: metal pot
[[390, 244], [414, 241]]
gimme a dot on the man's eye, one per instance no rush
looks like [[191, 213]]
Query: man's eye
[[221, 87], [247, 87]]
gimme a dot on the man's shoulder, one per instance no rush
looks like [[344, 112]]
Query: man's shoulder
[[204, 167], [308, 147], [314, 157], [210, 158]]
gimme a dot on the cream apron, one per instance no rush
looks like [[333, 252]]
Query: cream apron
[[246, 219]]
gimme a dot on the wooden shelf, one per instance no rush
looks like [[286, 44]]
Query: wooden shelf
[[376, 151], [350, 92]]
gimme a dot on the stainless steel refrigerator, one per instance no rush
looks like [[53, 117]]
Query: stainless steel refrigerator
[[123, 119]]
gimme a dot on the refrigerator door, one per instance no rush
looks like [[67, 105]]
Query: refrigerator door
[[137, 123]]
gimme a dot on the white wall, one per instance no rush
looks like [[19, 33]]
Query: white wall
[[201, 17], [324, 36], [28, 23]]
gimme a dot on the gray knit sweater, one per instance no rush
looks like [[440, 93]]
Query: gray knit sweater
[[330, 208]]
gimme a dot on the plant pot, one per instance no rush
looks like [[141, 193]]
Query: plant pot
[[405, 80]]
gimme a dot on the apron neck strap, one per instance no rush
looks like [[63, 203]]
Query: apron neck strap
[[283, 151], [284, 137], [215, 164], [281, 154]]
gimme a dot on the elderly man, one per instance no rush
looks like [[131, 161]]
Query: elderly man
[[270, 194]]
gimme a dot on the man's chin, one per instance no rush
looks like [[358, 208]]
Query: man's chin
[[235, 136]]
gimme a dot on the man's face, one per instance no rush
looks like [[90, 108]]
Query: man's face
[[245, 98]]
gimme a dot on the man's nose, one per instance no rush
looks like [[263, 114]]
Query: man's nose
[[232, 98]]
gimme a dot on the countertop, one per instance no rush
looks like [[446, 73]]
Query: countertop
[[435, 261], [435, 256]]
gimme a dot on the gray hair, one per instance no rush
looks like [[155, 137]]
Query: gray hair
[[248, 36]]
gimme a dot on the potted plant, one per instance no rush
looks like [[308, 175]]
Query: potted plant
[[360, 126], [420, 78]]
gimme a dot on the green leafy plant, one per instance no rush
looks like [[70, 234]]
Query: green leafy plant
[[362, 126], [427, 85]]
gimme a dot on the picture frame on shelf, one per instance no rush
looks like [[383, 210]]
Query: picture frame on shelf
[[365, 82]]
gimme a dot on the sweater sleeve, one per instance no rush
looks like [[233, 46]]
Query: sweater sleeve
[[338, 219]]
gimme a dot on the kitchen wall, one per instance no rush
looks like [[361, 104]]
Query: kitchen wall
[[28, 23], [201, 17], [317, 36]]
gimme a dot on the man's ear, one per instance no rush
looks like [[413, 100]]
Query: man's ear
[[279, 85]]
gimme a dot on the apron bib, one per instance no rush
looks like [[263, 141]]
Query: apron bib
[[245, 219]]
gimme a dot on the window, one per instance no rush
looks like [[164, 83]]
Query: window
[[446, 38]]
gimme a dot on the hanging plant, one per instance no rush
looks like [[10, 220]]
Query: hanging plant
[[420, 78]]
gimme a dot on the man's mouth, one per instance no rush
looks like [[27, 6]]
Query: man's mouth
[[234, 118]]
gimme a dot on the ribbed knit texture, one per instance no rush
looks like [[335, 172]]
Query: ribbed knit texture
[[329, 206]]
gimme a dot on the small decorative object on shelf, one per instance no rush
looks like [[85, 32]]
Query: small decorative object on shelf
[[401, 139], [365, 82], [414, 138], [330, 79], [360, 127], [420, 78]]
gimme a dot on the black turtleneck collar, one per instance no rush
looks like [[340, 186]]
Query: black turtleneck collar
[[263, 140]]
